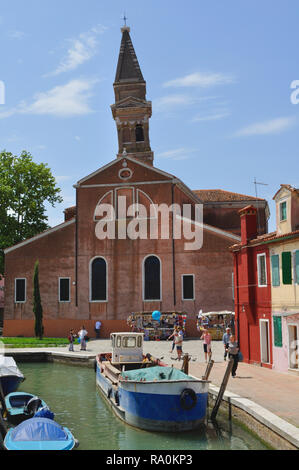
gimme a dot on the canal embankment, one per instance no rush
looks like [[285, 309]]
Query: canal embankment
[[264, 401]]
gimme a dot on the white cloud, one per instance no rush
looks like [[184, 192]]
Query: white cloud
[[80, 50], [202, 80], [71, 99], [176, 154], [273, 126], [165, 103], [215, 116], [16, 34]]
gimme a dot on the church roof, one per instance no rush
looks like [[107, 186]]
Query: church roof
[[220, 195], [128, 67]]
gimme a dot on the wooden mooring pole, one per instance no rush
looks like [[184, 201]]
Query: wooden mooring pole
[[185, 365], [208, 370], [222, 389]]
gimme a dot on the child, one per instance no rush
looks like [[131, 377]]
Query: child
[[207, 340], [71, 339]]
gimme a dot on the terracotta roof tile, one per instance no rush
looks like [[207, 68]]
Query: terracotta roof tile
[[267, 237], [220, 195]]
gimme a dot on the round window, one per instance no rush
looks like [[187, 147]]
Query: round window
[[125, 173]]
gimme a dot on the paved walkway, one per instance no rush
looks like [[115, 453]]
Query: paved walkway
[[274, 391]]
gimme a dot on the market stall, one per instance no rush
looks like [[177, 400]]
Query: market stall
[[216, 323], [156, 325]]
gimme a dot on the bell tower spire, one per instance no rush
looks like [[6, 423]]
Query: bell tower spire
[[131, 111]]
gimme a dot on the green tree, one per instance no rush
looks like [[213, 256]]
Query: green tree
[[37, 304], [25, 188]]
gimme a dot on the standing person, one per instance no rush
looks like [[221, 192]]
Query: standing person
[[225, 340], [233, 353], [207, 344], [173, 340], [71, 339], [82, 334], [97, 328], [177, 336], [179, 342]]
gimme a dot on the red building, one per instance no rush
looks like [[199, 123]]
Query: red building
[[252, 292]]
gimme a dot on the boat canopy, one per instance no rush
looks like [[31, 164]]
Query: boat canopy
[[8, 366], [155, 374], [39, 429], [222, 312]]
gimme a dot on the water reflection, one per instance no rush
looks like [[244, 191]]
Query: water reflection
[[71, 393]]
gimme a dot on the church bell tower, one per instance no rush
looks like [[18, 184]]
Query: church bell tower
[[131, 110]]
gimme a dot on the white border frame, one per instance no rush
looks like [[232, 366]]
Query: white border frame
[[289, 364], [143, 276], [259, 255], [285, 199], [20, 279], [182, 286], [100, 201], [90, 290], [116, 200], [64, 301], [279, 267], [265, 320]]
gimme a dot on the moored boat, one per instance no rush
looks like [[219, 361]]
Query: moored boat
[[21, 406], [39, 434], [146, 393], [10, 375]]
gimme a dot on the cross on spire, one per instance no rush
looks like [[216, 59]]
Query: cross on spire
[[125, 19]]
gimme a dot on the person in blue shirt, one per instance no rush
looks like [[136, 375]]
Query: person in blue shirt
[[225, 340]]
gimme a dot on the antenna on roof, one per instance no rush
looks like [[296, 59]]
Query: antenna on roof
[[258, 212]]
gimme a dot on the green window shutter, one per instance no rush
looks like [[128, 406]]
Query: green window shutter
[[275, 270], [277, 331], [286, 267], [283, 211], [297, 266]]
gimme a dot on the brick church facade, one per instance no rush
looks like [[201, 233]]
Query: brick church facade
[[84, 278]]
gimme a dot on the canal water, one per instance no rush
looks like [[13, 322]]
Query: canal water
[[71, 393]]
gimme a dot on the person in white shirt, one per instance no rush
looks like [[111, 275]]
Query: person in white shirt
[[82, 335], [97, 328]]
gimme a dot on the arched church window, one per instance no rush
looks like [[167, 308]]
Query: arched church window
[[139, 133], [98, 281], [152, 278], [126, 135]]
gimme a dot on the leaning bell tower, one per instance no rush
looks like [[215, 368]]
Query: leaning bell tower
[[131, 111]]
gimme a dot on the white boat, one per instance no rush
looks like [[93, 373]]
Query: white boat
[[10, 375], [146, 393]]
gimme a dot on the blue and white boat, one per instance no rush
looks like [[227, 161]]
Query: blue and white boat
[[146, 393], [22, 405], [10, 375], [39, 434]]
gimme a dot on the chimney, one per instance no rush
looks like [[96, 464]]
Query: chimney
[[248, 224]]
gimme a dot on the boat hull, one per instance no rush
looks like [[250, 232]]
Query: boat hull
[[9, 444], [15, 405], [154, 406], [10, 383]]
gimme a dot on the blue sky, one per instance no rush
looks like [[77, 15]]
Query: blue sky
[[218, 74]]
